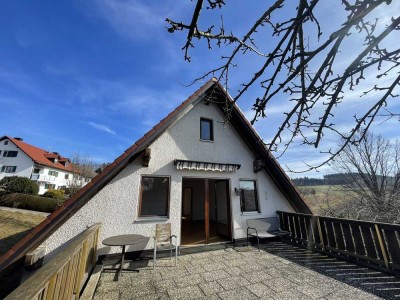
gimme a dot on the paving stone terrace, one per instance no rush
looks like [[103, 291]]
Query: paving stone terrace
[[278, 271]]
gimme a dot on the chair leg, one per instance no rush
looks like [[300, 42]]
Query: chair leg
[[247, 240], [170, 253], [176, 255], [154, 257], [258, 243]]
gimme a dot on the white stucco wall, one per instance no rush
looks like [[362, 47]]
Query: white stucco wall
[[116, 205], [22, 161]]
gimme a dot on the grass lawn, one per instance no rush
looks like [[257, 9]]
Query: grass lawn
[[319, 196], [14, 225]]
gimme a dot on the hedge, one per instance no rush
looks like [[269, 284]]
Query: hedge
[[16, 184], [36, 203]]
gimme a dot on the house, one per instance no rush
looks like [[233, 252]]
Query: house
[[49, 169], [197, 169]]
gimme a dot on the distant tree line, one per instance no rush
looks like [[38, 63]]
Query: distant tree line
[[334, 179], [330, 179]]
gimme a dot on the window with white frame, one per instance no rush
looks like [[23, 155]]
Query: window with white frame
[[53, 173], [10, 153], [49, 186], [8, 169]]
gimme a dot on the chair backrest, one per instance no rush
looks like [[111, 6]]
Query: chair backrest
[[264, 224], [163, 232]]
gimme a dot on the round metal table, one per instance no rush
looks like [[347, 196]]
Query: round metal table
[[123, 241]]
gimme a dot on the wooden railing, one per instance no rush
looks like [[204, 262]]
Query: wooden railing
[[64, 276], [375, 243]]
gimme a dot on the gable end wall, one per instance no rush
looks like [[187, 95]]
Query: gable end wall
[[116, 204]]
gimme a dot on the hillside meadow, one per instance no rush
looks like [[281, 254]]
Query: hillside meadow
[[321, 197]]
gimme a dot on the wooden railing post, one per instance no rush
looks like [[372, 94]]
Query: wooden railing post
[[382, 246], [321, 238]]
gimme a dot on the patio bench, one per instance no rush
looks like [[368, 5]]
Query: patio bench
[[264, 228]]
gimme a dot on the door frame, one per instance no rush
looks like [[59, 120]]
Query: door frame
[[228, 206], [207, 205]]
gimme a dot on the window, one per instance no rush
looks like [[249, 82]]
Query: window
[[154, 198], [206, 130], [53, 173], [36, 170], [49, 186], [66, 176], [248, 195], [5, 142], [10, 153], [8, 169]]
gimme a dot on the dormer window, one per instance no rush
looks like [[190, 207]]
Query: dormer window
[[206, 130]]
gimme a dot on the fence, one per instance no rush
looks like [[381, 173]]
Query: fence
[[63, 277], [375, 243]]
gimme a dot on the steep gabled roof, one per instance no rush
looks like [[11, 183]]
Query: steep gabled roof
[[40, 156], [211, 89]]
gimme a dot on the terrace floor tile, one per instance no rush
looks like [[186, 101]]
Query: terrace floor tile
[[278, 271]]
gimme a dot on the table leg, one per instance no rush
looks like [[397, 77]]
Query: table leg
[[122, 260], [120, 269]]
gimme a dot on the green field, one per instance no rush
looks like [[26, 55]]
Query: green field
[[319, 197]]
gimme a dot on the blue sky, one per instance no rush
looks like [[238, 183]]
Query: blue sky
[[94, 76]]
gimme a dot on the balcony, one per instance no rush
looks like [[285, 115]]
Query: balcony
[[323, 258], [278, 271], [43, 178]]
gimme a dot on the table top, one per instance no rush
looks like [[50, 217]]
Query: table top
[[124, 239]]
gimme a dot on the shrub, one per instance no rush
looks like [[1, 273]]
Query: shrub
[[16, 184], [54, 194], [36, 203]]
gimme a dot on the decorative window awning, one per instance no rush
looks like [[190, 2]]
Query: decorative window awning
[[205, 166]]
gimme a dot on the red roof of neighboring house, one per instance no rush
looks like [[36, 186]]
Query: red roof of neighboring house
[[210, 89], [41, 156]]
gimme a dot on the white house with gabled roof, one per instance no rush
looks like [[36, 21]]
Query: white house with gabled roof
[[49, 169], [203, 169]]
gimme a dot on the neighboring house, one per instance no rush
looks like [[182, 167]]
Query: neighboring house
[[49, 169], [201, 172]]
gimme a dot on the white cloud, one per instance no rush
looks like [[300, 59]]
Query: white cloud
[[130, 18], [102, 127], [137, 19]]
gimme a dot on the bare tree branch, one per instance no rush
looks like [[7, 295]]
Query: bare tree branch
[[313, 75]]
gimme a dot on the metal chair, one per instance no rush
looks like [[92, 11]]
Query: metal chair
[[163, 241]]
